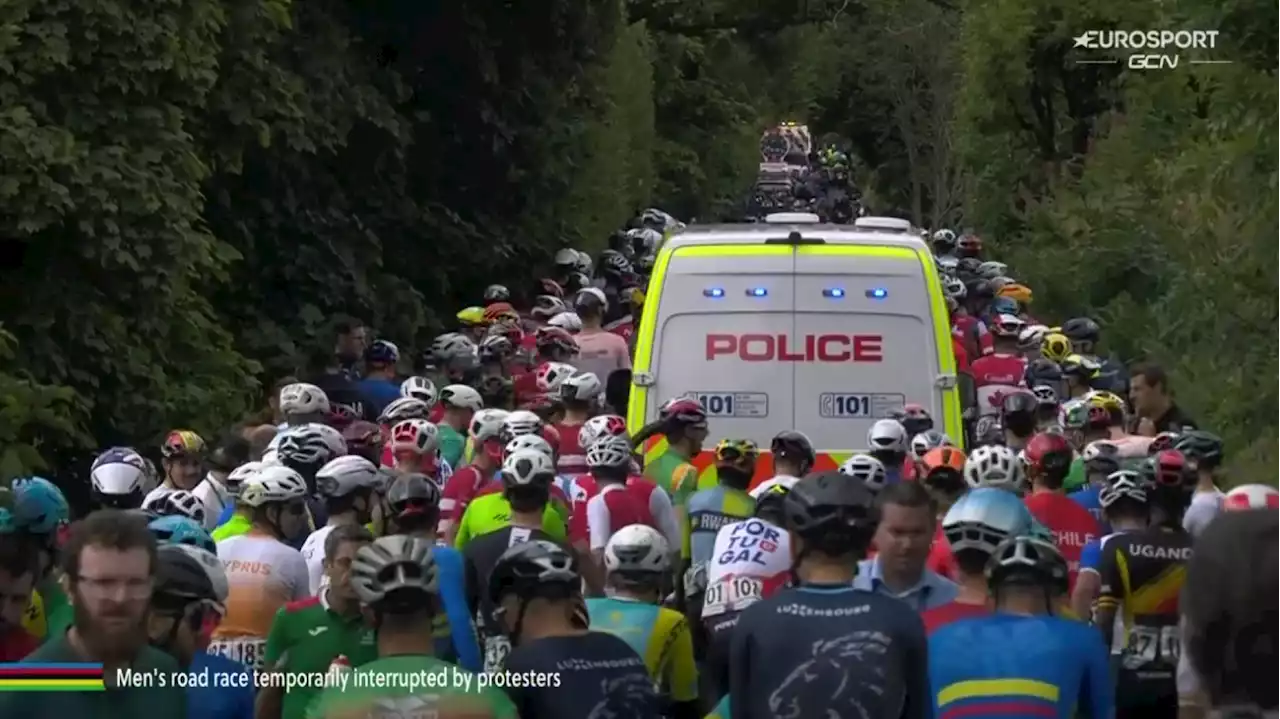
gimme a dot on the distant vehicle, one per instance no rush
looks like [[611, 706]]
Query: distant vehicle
[[789, 143]]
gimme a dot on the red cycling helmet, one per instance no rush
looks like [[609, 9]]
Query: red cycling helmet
[[1048, 452], [683, 411], [364, 439], [551, 287], [547, 339], [1161, 442], [1170, 468]]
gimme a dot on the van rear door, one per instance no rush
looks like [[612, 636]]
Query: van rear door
[[724, 318], [865, 313]]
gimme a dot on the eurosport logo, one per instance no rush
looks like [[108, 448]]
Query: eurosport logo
[[1156, 49]]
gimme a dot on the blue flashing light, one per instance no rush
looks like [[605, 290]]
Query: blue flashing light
[[834, 293], [714, 293], [757, 292], [877, 293]]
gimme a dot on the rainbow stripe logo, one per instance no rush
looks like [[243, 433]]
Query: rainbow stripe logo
[[24, 677]]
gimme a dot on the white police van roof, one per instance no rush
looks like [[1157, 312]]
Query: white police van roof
[[799, 228]]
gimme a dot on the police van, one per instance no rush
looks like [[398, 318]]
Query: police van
[[795, 324]]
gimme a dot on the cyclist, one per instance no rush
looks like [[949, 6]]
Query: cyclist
[[1048, 462], [465, 483], [175, 503], [862, 467], [236, 518], [460, 403], [973, 527], [1203, 452], [580, 395], [415, 448], [414, 503], [396, 581], [823, 648], [213, 491], [1100, 460], [493, 509], [379, 386], [751, 561], [793, 454], [120, 478], [999, 373], [638, 564], [1126, 508], [919, 446], [535, 586], [349, 486], [615, 504], [887, 441], [684, 423], [264, 573], [1142, 574], [40, 515], [17, 592], [997, 467], [710, 509], [182, 458], [302, 403], [186, 603], [979, 667]]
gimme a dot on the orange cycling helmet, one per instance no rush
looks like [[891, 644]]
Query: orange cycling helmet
[[1017, 292], [501, 312], [943, 458]]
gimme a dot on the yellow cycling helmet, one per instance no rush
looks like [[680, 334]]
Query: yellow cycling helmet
[[1107, 400], [1056, 347], [1014, 291], [739, 451], [1080, 367], [472, 317]]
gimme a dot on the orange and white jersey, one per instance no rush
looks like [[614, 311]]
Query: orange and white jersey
[[263, 575]]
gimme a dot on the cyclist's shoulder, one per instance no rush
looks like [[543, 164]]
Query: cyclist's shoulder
[[300, 607]]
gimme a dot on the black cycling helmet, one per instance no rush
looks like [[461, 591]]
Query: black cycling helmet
[[529, 568], [496, 293], [979, 291], [1041, 371], [1027, 561], [771, 504], [1203, 449], [794, 446], [832, 513], [1081, 329], [1018, 403], [181, 579], [613, 263], [413, 494]]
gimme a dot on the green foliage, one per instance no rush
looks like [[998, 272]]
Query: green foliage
[[31, 414]]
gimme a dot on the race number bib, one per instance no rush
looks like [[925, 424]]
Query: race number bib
[[732, 594], [1152, 645], [247, 651], [496, 650]]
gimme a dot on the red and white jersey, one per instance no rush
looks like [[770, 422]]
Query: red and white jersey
[[458, 492], [994, 376], [583, 488], [572, 459], [972, 332]]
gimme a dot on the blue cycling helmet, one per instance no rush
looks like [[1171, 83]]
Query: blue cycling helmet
[[38, 506], [1004, 306], [180, 530], [983, 518]]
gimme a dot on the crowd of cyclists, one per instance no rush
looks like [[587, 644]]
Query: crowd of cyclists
[[488, 514]]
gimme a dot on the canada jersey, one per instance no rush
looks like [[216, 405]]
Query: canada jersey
[[994, 377], [1071, 525], [263, 576], [979, 668], [1142, 574], [750, 561]]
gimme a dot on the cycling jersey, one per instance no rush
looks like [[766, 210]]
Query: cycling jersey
[[59, 615], [479, 559], [613, 508], [583, 487], [455, 636], [230, 698], [215, 498], [706, 512], [982, 668], [492, 512], [1072, 526], [674, 474], [559, 500], [599, 676], [571, 458], [1077, 475], [452, 444], [309, 634], [33, 618], [237, 525], [313, 552], [1089, 498], [438, 696], [264, 575], [750, 561], [16, 643], [824, 650], [458, 492], [721, 710], [995, 376], [378, 393], [1203, 508], [1142, 575], [952, 611], [659, 635]]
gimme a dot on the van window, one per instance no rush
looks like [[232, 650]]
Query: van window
[[719, 349]]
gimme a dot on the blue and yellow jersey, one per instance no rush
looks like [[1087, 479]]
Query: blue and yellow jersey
[[659, 635], [721, 710], [706, 512], [1007, 665]]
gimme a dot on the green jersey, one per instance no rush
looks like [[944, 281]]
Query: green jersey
[[234, 527], [117, 702], [452, 445], [408, 686], [310, 635], [1075, 477], [677, 477], [58, 614], [492, 512]]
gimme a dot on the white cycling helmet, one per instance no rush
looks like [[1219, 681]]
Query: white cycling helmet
[[521, 422], [637, 549], [120, 479], [452, 345], [398, 564], [581, 387], [312, 443], [1045, 394], [272, 485], [928, 440], [567, 257], [585, 263], [211, 565], [236, 477], [568, 321], [887, 435], [552, 374], [486, 424], [991, 270], [1031, 336], [527, 442], [398, 410], [944, 235], [177, 503], [415, 435], [603, 425], [994, 466], [526, 466], [954, 287], [609, 452], [419, 388], [1008, 326], [344, 475], [303, 398], [866, 468], [462, 397]]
